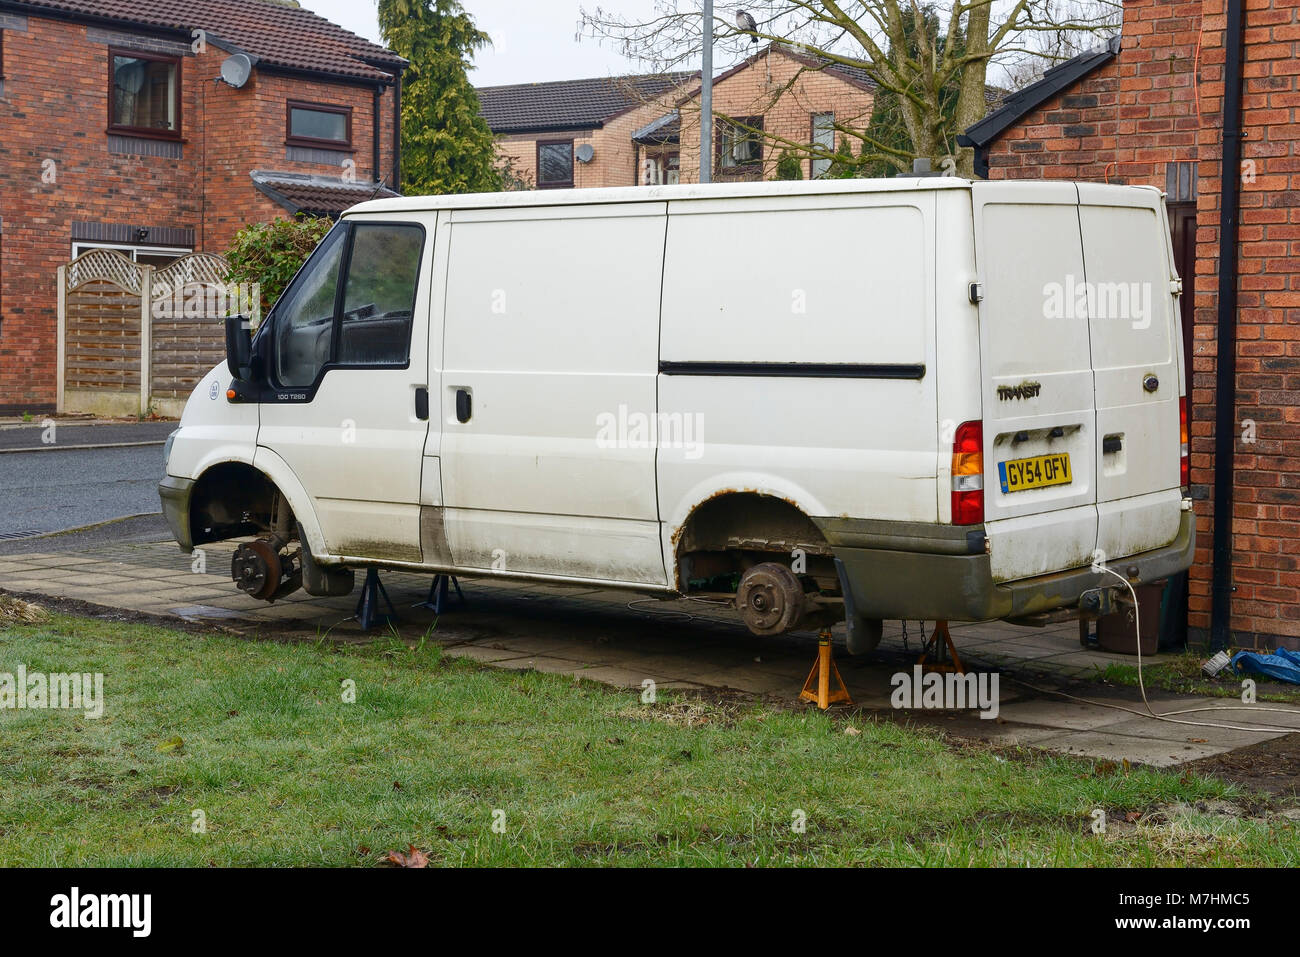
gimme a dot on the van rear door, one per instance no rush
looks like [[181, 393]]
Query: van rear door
[[1040, 501], [1133, 324]]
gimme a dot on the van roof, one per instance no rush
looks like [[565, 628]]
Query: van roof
[[647, 194]]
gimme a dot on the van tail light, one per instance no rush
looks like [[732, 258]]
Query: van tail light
[[1184, 462], [968, 474]]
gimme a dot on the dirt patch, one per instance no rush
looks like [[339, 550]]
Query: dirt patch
[[84, 609], [691, 713], [1270, 767]]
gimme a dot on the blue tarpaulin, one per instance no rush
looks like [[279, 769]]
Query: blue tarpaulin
[[1283, 665]]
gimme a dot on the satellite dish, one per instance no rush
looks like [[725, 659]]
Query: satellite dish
[[584, 153], [235, 69]]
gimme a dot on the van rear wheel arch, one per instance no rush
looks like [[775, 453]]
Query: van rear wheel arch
[[730, 532]]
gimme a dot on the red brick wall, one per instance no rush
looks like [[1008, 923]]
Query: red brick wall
[[54, 107], [1124, 121], [1071, 136], [1266, 511]]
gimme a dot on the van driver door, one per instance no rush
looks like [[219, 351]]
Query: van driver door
[[345, 397]]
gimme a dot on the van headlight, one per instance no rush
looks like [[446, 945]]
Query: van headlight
[[167, 448]]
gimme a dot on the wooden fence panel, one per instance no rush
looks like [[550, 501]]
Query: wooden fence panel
[[102, 338], [106, 334]]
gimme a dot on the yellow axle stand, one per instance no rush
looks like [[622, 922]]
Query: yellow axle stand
[[818, 686]]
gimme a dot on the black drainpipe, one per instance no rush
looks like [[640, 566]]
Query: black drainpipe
[[1225, 387], [374, 144]]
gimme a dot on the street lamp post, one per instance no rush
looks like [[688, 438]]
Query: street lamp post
[[706, 98]]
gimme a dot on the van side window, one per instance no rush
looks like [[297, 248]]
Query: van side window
[[304, 323], [379, 294]]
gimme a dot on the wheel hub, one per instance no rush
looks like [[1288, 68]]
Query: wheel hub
[[256, 569], [770, 599]]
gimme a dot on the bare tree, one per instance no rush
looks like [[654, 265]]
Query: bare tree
[[937, 77], [1051, 47]]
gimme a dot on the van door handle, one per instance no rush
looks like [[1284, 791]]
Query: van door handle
[[1112, 443], [462, 405], [422, 403]]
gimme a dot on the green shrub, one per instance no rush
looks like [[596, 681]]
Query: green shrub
[[788, 166], [270, 253]]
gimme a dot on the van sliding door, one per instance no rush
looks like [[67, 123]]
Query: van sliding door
[[548, 382]]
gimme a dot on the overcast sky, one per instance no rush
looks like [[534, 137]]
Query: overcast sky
[[532, 40]]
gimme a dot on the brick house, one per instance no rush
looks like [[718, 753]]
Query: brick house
[[1149, 107], [545, 126], [115, 132], [791, 97], [643, 130]]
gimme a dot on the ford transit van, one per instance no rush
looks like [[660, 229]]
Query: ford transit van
[[911, 398]]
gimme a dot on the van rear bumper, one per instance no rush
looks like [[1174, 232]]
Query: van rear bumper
[[929, 585], [175, 495]]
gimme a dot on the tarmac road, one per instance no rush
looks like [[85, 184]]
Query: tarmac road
[[91, 474]]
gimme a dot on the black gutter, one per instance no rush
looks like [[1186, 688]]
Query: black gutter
[[557, 128], [1225, 386], [321, 76]]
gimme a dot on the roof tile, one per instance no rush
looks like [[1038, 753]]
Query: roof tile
[[570, 104], [275, 33]]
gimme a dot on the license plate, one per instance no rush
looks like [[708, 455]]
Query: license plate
[[1040, 471]]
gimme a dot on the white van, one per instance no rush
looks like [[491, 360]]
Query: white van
[[912, 398]]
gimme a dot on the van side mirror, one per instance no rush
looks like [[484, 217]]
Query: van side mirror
[[239, 347]]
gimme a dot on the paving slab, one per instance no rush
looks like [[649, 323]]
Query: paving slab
[[1137, 749], [620, 639]]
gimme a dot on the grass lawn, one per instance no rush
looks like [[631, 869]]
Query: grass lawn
[[1181, 673], [287, 773]]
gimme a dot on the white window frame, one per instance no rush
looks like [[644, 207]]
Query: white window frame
[[818, 167], [131, 252]]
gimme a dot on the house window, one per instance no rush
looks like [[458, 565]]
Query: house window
[[156, 256], [740, 143], [662, 169], [317, 124], [144, 94], [555, 164], [823, 137], [1180, 182], [673, 171]]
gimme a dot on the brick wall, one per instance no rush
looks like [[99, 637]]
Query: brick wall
[[56, 167], [1124, 121], [786, 93], [1266, 511]]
